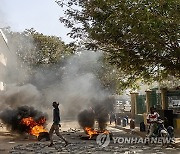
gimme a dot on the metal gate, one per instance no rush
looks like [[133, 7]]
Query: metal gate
[[140, 104], [155, 98]]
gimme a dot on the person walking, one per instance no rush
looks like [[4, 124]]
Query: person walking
[[56, 124]]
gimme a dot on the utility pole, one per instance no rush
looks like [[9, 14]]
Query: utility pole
[[158, 92]]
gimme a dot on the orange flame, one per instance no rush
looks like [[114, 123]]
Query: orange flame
[[91, 132], [35, 127]]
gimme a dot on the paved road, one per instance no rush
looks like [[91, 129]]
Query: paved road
[[79, 145]]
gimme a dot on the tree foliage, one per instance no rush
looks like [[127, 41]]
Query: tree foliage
[[35, 48], [140, 37], [32, 53]]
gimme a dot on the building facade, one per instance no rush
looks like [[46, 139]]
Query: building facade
[[3, 59]]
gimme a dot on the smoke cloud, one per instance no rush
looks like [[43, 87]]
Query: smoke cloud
[[98, 111], [73, 83], [15, 96]]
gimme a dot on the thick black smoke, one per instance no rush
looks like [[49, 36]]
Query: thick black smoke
[[12, 117], [86, 118], [99, 111]]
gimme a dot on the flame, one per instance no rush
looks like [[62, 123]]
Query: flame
[[35, 127], [91, 132]]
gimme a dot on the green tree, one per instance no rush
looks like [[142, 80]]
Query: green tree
[[32, 52], [35, 48], [141, 38], [47, 49]]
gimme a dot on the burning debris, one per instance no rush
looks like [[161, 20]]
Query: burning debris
[[34, 127], [98, 112], [86, 120], [24, 119], [92, 132]]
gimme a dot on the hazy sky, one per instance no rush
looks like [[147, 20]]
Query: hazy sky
[[42, 15]]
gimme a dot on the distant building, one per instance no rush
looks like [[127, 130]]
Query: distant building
[[122, 104]]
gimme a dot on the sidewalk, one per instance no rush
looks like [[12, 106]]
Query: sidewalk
[[143, 134], [134, 131]]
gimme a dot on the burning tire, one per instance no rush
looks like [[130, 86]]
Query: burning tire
[[43, 136]]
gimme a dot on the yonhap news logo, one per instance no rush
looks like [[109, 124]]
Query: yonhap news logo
[[104, 140], [140, 140]]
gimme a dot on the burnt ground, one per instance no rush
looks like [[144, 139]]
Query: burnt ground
[[15, 144]]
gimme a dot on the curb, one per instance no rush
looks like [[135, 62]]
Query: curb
[[141, 134]]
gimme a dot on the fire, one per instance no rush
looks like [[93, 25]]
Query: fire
[[91, 132], [35, 127]]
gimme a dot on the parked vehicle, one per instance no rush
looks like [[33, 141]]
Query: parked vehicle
[[163, 132]]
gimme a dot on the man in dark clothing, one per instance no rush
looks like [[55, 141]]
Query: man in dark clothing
[[112, 118], [56, 124]]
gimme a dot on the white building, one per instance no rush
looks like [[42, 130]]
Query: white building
[[3, 59], [122, 104]]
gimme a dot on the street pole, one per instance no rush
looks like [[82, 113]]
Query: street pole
[[158, 92]]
